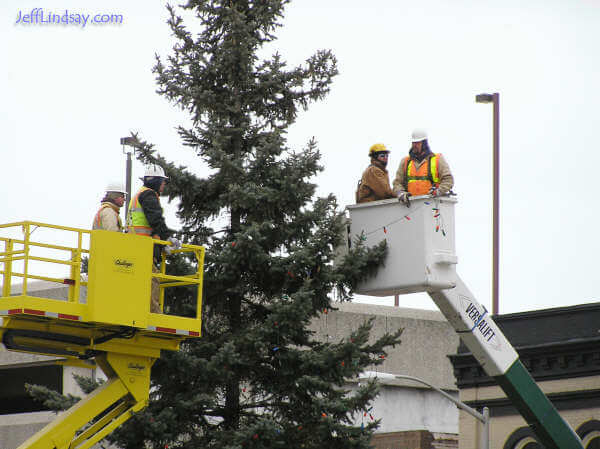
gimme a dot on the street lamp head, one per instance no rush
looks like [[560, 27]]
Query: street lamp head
[[130, 141], [484, 98], [375, 375]]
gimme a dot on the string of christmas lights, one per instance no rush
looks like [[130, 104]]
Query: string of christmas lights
[[437, 215]]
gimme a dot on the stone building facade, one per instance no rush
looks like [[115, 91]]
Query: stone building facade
[[413, 416]]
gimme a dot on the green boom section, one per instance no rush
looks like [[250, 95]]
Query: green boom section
[[536, 408]]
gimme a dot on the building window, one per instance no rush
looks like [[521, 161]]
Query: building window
[[589, 432], [592, 440], [527, 443], [14, 398], [522, 438]]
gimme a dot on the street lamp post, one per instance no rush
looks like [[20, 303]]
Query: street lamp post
[[131, 142], [484, 417], [495, 99]]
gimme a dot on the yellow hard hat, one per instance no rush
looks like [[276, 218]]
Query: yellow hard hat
[[377, 148]]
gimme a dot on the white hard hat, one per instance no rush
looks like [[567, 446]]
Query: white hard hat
[[116, 187], [419, 135], [155, 170]]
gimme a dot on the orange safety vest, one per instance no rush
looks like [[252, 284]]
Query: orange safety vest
[[419, 182], [137, 222]]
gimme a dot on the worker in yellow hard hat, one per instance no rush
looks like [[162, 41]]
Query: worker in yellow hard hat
[[375, 182], [422, 172], [107, 217]]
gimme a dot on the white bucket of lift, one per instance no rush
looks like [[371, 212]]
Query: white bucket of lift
[[420, 239]]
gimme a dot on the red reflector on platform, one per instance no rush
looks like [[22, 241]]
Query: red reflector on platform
[[68, 317], [166, 329], [69, 281], [34, 312], [14, 311]]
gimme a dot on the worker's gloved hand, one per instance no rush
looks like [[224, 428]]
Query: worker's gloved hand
[[404, 197], [175, 244], [434, 191]]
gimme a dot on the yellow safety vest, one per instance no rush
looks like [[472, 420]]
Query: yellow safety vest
[[98, 221], [418, 182], [136, 219]]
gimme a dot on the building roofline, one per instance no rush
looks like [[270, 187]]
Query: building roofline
[[548, 312], [390, 311]]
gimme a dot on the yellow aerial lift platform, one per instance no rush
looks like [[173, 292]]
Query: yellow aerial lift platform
[[109, 324]]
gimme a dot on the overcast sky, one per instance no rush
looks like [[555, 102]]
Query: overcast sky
[[68, 93]]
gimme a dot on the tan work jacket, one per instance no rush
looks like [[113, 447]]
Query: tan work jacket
[[374, 184], [107, 218]]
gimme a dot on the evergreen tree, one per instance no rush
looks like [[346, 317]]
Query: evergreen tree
[[257, 378], [57, 402]]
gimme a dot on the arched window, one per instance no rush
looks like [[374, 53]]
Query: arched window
[[522, 438], [589, 432]]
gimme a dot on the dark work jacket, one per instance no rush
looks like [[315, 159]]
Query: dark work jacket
[[154, 214]]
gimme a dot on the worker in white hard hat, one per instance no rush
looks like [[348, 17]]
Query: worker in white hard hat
[[422, 172], [107, 217], [146, 218], [375, 182], [145, 212]]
